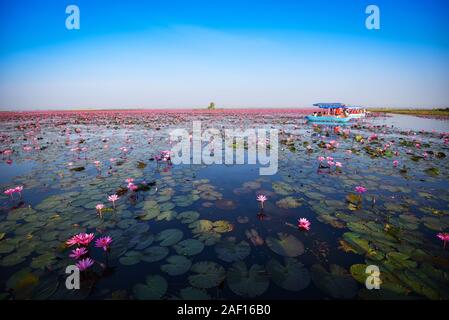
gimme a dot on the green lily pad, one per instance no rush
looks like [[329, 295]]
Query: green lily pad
[[358, 272], [208, 238], [388, 282], [42, 261], [154, 253], [228, 250], [400, 260], [167, 215], [12, 260], [436, 223], [222, 226], [177, 265], [291, 276], [154, 288], [337, 283], [289, 203], [434, 172], [225, 204], [246, 282], [167, 206], [169, 237], [282, 188], [207, 275], [357, 242], [142, 241], [23, 283], [163, 198], [189, 247], [252, 185], [130, 258], [285, 245], [188, 216], [200, 226], [7, 246]]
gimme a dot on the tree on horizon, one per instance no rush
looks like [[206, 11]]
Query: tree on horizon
[[211, 106]]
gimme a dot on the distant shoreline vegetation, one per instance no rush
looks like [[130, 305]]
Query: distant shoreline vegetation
[[415, 112], [437, 112]]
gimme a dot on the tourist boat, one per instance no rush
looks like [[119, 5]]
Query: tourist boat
[[329, 116], [346, 113]]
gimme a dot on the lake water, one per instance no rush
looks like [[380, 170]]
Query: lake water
[[406, 122], [196, 231]]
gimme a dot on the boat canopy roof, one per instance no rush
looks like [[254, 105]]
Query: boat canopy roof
[[332, 105], [335, 105]]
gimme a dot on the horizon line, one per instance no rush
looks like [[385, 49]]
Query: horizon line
[[196, 109]]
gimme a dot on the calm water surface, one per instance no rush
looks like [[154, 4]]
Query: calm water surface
[[197, 231]]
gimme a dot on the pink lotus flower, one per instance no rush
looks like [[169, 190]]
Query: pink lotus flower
[[72, 241], [132, 186], [320, 158], [165, 154], [395, 163], [97, 163], [99, 208], [9, 192], [78, 253], [19, 189], [81, 239], [129, 180], [418, 145], [360, 189], [330, 163], [261, 198], [85, 238], [443, 236], [103, 242], [113, 198], [338, 164], [303, 223], [329, 159], [84, 264]]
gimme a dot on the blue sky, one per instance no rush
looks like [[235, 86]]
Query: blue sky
[[184, 54]]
